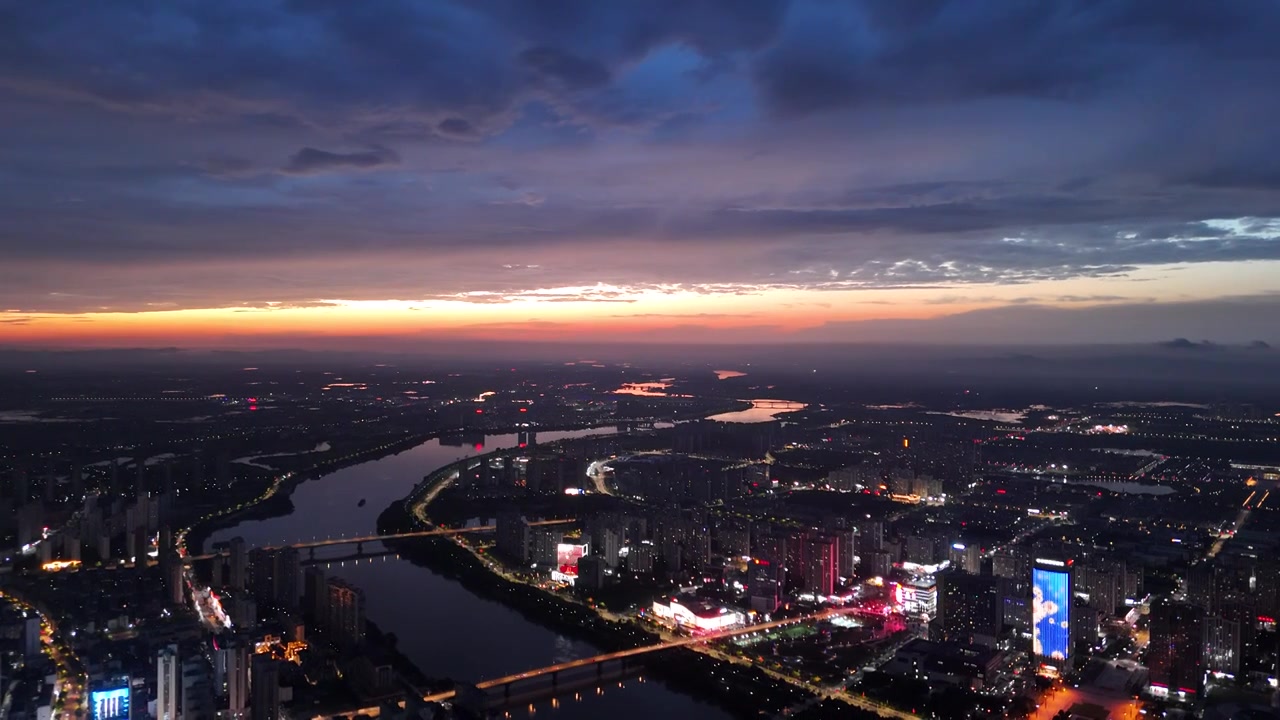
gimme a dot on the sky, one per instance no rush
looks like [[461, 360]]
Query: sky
[[318, 173]]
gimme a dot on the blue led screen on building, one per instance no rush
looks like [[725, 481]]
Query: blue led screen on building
[[1051, 612], [110, 704]]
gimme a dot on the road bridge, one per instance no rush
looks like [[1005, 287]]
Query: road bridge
[[553, 671], [358, 541]]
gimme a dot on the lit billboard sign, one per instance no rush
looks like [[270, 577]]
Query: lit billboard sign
[[111, 704], [916, 599], [1051, 613], [567, 555]]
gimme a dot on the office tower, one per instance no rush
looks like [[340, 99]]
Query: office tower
[[231, 676], [969, 607], [1222, 645], [346, 614], [1175, 654], [167, 683], [1052, 591], [237, 564], [266, 688]]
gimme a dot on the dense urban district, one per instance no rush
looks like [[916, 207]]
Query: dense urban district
[[750, 545]]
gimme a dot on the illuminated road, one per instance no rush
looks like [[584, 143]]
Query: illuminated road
[[1121, 707], [330, 542], [621, 654], [69, 687]]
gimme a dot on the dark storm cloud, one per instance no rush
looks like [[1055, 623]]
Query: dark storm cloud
[[309, 160], [720, 145], [834, 55], [560, 66]]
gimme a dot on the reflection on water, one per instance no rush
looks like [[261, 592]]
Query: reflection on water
[[1130, 488], [760, 411], [645, 389], [726, 374]]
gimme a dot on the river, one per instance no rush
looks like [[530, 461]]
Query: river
[[445, 629]]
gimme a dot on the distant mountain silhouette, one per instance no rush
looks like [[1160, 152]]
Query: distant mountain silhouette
[[1259, 345], [1185, 344]]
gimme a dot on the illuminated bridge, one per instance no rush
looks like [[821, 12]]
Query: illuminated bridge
[[331, 542], [553, 671]]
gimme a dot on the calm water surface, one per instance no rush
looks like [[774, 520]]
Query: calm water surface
[[445, 629]]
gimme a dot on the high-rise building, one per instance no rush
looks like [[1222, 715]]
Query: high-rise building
[[1198, 588], [870, 539], [1222, 645], [591, 572], [265, 688], [32, 644], [969, 606], [764, 585], [168, 689], [609, 545], [274, 575], [641, 557], [1104, 584], [773, 548], [346, 614], [514, 536], [1175, 654], [197, 688], [1052, 592], [821, 564], [231, 677], [966, 557], [315, 595], [1013, 563], [848, 551], [238, 564]]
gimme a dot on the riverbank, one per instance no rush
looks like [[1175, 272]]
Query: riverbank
[[274, 500], [743, 691]]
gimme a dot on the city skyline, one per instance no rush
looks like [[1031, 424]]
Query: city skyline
[[272, 175]]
